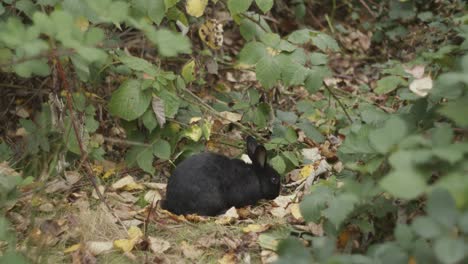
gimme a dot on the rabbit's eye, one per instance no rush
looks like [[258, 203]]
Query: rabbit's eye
[[274, 179]]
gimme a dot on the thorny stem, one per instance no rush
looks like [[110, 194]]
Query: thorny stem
[[89, 172], [339, 102]]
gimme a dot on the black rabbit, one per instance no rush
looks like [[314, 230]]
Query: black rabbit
[[209, 184]]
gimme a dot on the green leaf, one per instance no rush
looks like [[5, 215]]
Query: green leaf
[[170, 43], [324, 42], [145, 160], [311, 132], [238, 6], [171, 103], [262, 114], [291, 250], [388, 84], [32, 67], [5, 152], [129, 102], [463, 222], [162, 149], [149, 120], [372, 115], [188, 71], [252, 52], [456, 110], [138, 64], [264, 5], [288, 117], [270, 39], [441, 207], [449, 250], [293, 73], [407, 183], [156, 10], [268, 71], [278, 164], [404, 236], [314, 79], [392, 132], [457, 185], [339, 208], [313, 204], [317, 58], [291, 156]]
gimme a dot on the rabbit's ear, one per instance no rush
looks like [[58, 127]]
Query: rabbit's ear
[[251, 147], [260, 156]]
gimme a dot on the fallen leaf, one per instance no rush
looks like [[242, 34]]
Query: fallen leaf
[[417, 71], [421, 87], [99, 247], [152, 196], [157, 104], [190, 251], [72, 248], [126, 245], [228, 217], [256, 228], [228, 258], [267, 241], [230, 117], [284, 200], [268, 256], [279, 212], [127, 183], [158, 245], [311, 155], [296, 211]]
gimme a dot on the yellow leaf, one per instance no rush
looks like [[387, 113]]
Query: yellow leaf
[[194, 133], [196, 7], [134, 232], [126, 245], [296, 211], [255, 228], [82, 23], [306, 171], [72, 248], [108, 174], [127, 183], [228, 258]]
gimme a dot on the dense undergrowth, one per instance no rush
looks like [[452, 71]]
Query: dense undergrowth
[[362, 105]]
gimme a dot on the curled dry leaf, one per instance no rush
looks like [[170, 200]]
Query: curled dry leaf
[[94, 193], [311, 155], [158, 108], [284, 200], [268, 256], [152, 197], [99, 247], [158, 245], [421, 87], [228, 217], [155, 185], [127, 183], [279, 212], [267, 241], [134, 236], [296, 211], [256, 228]]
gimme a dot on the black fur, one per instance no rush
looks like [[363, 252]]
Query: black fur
[[209, 184]]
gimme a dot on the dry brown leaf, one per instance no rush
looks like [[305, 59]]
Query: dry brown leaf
[[99, 247], [228, 217], [152, 197], [268, 256], [101, 190], [284, 200], [421, 87], [158, 108], [190, 251], [256, 228], [127, 183], [230, 117], [158, 245], [228, 258], [279, 212], [155, 185], [416, 71]]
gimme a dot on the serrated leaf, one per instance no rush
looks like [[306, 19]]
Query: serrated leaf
[[196, 8], [388, 84], [405, 183], [314, 79], [426, 227], [188, 71], [129, 102], [311, 132], [145, 160], [170, 43], [238, 6], [339, 208], [138, 64], [313, 204], [441, 207], [162, 149], [268, 71], [252, 52], [324, 42], [149, 120], [450, 250], [171, 103], [278, 164], [264, 5], [392, 132]]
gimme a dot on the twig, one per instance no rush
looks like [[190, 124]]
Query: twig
[[127, 142], [89, 172], [339, 102], [368, 8]]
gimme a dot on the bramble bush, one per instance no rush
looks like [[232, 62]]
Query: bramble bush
[[404, 185]]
